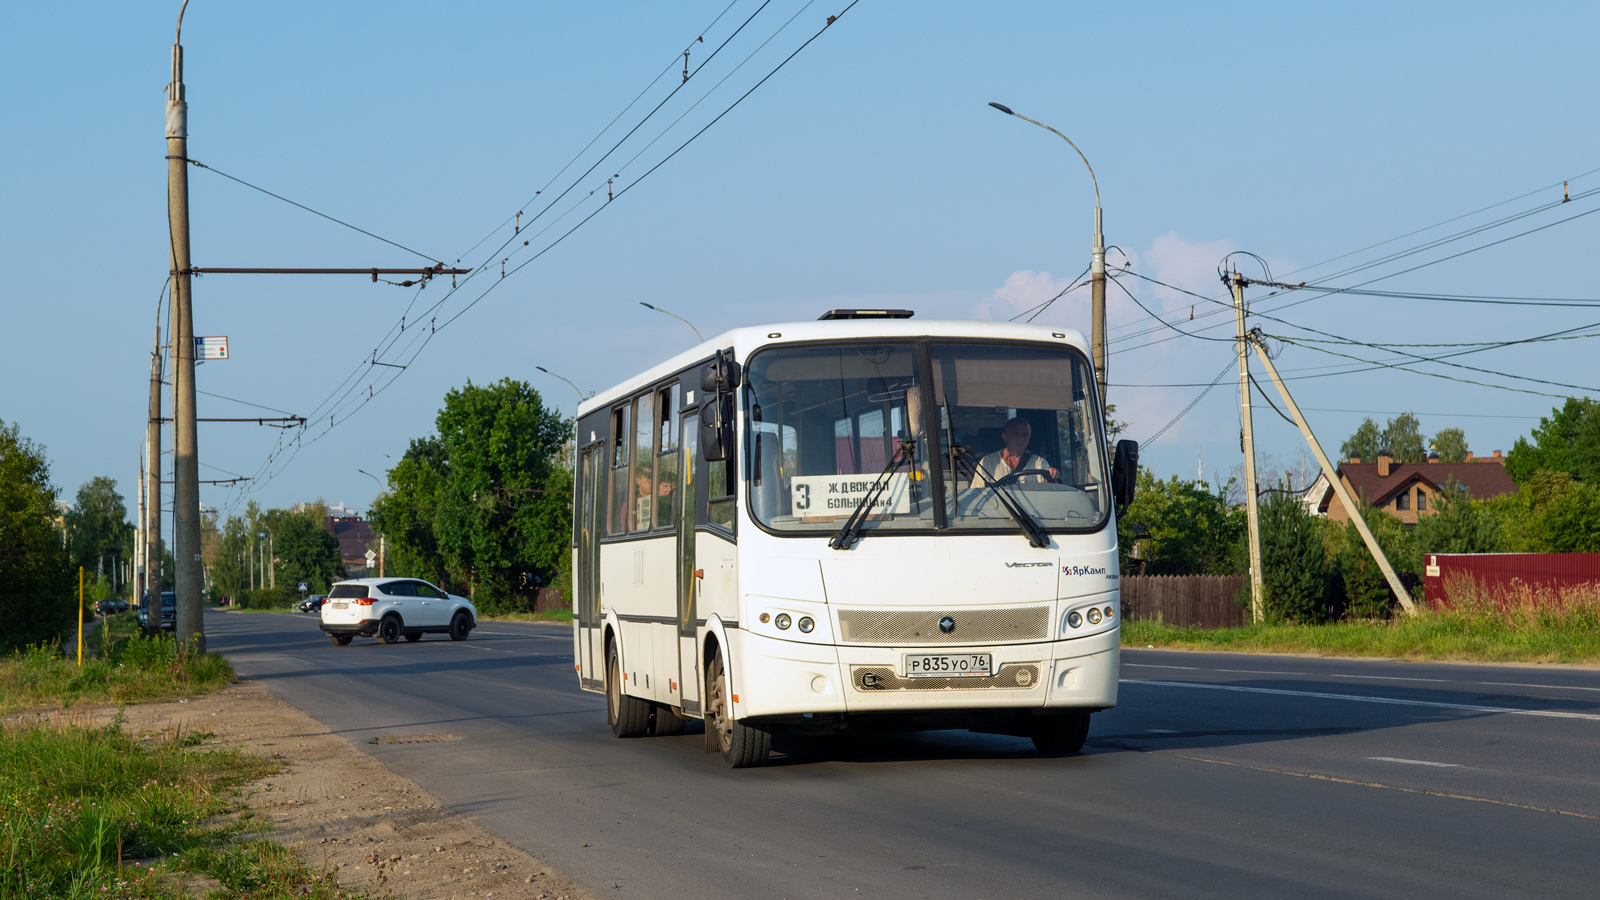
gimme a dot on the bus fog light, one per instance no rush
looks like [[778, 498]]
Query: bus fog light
[[1094, 617], [765, 618], [782, 621], [806, 624], [1074, 619]]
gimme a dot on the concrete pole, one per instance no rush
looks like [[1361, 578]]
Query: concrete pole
[[1339, 488], [185, 439], [1257, 610], [152, 479], [138, 537], [1097, 295]]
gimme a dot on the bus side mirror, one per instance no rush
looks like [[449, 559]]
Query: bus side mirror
[[716, 433], [721, 374], [1124, 473]]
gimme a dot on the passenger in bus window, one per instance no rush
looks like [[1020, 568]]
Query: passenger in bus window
[[644, 499], [1014, 456]]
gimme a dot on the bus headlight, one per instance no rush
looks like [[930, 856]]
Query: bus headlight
[[1074, 619], [1094, 617], [782, 621], [806, 624]]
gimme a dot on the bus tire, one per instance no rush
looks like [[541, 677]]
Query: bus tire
[[628, 716], [665, 722], [1061, 734], [743, 746]]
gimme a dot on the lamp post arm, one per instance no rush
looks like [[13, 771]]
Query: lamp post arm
[[1092, 180]]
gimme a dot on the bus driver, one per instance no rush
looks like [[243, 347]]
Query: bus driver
[[1014, 457]]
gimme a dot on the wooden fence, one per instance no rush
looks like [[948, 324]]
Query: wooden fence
[[1204, 601]]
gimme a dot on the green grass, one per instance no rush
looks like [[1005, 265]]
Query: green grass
[[99, 813], [564, 616], [119, 666], [1429, 635]]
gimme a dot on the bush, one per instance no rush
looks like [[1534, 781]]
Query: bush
[[267, 598], [120, 666], [1294, 565], [1366, 593]]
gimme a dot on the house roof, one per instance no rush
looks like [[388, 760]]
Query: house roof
[[1481, 479], [355, 536]]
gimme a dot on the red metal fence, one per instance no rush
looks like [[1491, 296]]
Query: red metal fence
[[1501, 572], [1204, 601]]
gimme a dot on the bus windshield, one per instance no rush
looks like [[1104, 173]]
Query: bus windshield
[[1015, 435]]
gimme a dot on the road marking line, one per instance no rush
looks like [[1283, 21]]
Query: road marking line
[[1149, 666], [1390, 787], [1415, 762], [1552, 687], [1256, 672], [1393, 678], [1392, 701], [1161, 731]]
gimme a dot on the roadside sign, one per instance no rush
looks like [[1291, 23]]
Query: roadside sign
[[371, 557], [215, 347], [302, 587]]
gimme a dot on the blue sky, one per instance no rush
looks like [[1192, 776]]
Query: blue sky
[[868, 171]]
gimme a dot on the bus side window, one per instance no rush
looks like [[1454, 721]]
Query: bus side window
[[617, 512], [667, 493], [720, 475], [644, 458]]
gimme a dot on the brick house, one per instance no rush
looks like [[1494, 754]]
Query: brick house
[[1408, 491], [355, 537]]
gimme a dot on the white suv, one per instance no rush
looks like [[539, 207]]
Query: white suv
[[392, 608]]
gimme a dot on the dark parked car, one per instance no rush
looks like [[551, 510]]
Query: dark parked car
[[112, 606], [168, 620], [313, 604]]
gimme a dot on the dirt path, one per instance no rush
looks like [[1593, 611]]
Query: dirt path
[[349, 810]]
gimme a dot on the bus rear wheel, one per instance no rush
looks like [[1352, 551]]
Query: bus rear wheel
[[743, 746], [665, 722], [628, 716], [1061, 734]]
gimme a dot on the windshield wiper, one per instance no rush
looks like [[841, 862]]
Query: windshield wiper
[[850, 532], [1035, 533]]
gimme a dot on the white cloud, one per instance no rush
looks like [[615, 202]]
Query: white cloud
[[1023, 290]]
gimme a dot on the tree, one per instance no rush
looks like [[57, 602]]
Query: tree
[[97, 526], [306, 551], [1568, 440], [1553, 513], [404, 515], [36, 584], [1192, 531], [1364, 444], [1402, 437], [1451, 445], [1294, 566], [1366, 591], [1457, 525], [488, 500]]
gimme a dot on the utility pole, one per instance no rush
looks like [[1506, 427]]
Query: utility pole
[[152, 480], [1339, 487], [1247, 439], [186, 449], [138, 538], [1097, 297]]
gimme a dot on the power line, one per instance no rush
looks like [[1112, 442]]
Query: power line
[[198, 164], [1192, 404]]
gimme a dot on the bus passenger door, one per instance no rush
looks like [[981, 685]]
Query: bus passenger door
[[591, 468], [688, 584]]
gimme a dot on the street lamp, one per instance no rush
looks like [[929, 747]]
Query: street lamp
[[372, 476], [675, 316], [567, 380], [1097, 263]]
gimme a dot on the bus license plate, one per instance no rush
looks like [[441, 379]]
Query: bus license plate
[[341, 606], [949, 665]]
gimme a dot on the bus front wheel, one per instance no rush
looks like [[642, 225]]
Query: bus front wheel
[[628, 716], [1061, 734], [743, 746]]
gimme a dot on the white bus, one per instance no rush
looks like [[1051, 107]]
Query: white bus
[[861, 523]]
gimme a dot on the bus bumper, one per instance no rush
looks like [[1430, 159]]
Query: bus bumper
[[785, 678]]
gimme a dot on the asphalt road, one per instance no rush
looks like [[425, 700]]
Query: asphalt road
[[1219, 775]]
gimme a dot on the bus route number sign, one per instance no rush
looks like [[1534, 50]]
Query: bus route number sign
[[840, 495]]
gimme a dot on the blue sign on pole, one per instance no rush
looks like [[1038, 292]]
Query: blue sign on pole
[[302, 587]]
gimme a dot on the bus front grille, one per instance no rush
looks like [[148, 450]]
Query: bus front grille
[[920, 626], [1011, 677]]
